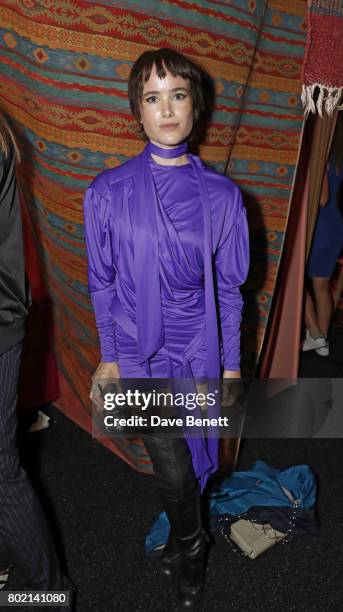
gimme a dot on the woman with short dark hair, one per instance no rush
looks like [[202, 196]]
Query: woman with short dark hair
[[167, 244]]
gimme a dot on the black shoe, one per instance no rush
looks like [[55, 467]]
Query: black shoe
[[185, 520], [191, 581], [172, 557]]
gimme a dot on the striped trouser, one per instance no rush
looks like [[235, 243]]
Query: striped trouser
[[25, 540]]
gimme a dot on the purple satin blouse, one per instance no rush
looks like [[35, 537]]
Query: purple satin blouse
[[110, 248]]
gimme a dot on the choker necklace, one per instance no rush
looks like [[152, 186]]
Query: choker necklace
[[168, 153]]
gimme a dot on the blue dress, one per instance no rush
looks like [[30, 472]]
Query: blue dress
[[327, 241]]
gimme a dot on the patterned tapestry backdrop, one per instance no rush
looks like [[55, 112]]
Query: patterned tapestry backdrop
[[63, 84]]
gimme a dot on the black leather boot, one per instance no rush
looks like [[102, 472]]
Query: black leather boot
[[180, 493], [171, 559], [191, 581], [185, 519]]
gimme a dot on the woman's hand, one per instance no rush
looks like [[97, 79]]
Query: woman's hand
[[106, 370]]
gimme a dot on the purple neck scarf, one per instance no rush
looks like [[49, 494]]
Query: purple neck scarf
[[167, 153]]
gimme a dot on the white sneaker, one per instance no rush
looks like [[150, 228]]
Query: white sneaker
[[311, 344], [324, 351]]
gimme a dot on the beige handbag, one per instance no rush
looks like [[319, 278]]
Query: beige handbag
[[253, 538]]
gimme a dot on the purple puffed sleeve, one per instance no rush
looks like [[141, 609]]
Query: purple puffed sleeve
[[101, 274], [232, 265]]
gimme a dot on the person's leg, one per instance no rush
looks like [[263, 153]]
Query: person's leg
[[310, 316], [314, 339], [323, 302], [180, 493], [172, 462], [24, 534]]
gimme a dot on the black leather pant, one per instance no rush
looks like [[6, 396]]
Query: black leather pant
[[172, 462], [180, 493]]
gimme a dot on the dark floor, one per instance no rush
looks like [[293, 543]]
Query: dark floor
[[100, 510], [312, 365]]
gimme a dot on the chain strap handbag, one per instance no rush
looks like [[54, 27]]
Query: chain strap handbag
[[253, 538]]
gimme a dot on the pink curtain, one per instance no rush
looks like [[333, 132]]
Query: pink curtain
[[280, 356]]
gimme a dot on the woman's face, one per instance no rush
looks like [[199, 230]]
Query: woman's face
[[166, 109]]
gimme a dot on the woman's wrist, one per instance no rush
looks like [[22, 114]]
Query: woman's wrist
[[232, 374], [106, 369]]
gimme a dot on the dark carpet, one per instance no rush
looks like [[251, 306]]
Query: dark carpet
[[100, 509]]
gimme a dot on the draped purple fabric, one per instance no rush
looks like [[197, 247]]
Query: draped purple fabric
[[167, 252]]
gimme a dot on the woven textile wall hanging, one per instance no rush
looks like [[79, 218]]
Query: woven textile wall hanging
[[63, 85], [322, 72]]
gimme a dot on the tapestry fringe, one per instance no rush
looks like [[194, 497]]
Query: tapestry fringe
[[328, 99], [333, 5]]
